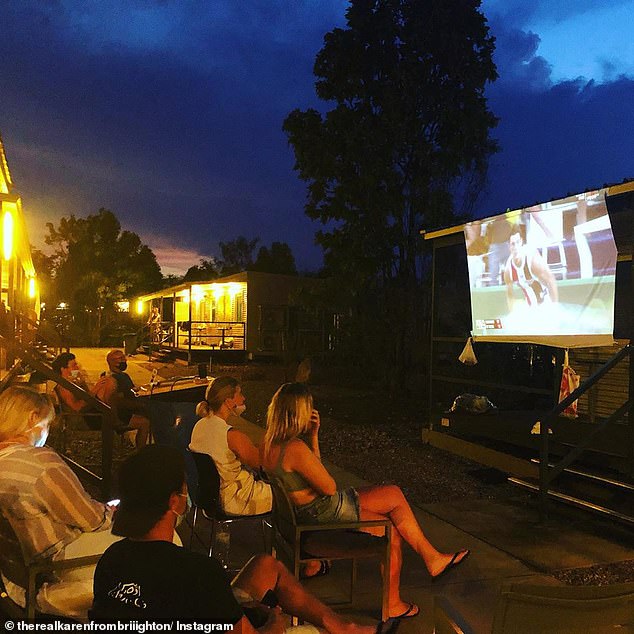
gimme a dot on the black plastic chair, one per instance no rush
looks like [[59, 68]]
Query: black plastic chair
[[207, 499]]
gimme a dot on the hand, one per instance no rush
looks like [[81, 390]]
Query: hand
[[315, 422], [276, 622]]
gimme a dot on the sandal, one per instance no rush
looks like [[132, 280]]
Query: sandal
[[324, 569]]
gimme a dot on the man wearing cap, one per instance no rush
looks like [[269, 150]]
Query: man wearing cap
[[145, 577], [116, 389]]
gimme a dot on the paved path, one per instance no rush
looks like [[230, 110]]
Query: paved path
[[507, 543]]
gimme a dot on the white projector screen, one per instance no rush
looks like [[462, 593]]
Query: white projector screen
[[544, 274]]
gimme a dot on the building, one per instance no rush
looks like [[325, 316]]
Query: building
[[19, 289], [249, 314]]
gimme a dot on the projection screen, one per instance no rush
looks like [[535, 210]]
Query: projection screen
[[544, 274]]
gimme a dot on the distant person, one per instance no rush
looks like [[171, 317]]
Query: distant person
[[117, 390], [67, 367], [154, 324], [528, 270], [296, 463], [145, 577]]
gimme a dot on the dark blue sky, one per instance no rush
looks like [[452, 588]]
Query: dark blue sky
[[170, 113]]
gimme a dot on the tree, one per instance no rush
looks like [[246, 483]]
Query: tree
[[278, 259], [237, 255], [206, 270], [95, 264], [408, 132]]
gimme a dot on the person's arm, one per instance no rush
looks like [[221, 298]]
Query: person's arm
[[70, 400], [300, 458], [313, 434], [543, 273], [105, 389], [67, 502], [509, 288], [247, 452]]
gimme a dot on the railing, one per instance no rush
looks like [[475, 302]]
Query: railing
[[219, 335], [108, 415], [548, 473]]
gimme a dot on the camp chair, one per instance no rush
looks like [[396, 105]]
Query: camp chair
[[296, 544], [207, 499]]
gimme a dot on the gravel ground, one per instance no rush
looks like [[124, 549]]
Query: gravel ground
[[378, 439]]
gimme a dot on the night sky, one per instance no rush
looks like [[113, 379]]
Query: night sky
[[169, 113]]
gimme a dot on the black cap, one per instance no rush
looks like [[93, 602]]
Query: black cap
[[146, 481]]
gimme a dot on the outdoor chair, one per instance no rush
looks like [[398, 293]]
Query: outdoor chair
[[206, 498], [296, 543], [560, 609], [29, 576]]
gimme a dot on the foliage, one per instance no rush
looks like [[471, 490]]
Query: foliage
[[206, 270], [407, 135], [278, 259], [95, 264], [237, 255]]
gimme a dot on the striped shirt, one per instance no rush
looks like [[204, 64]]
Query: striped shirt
[[43, 501]]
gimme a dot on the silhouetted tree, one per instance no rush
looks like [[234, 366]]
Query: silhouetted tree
[[206, 270], [237, 255], [95, 264], [408, 130], [278, 259]]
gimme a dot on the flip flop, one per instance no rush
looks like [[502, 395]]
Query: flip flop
[[388, 627], [412, 611], [324, 569], [452, 563]]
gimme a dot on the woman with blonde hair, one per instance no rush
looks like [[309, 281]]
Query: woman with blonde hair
[[230, 449], [45, 512], [297, 465]]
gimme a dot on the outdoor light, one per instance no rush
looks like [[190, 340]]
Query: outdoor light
[[31, 287], [61, 305], [233, 288], [139, 307], [197, 293], [7, 235]]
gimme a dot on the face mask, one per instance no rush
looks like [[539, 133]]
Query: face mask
[[39, 435], [181, 517], [74, 374], [123, 366], [238, 410]]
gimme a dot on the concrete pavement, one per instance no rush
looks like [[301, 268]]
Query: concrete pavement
[[507, 543]]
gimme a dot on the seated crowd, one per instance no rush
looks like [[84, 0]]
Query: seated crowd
[[144, 573]]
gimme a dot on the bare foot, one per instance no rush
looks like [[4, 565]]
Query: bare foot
[[403, 610]]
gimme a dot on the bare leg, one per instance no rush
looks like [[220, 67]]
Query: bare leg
[[142, 425], [396, 604], [264, 573], [389, 501]]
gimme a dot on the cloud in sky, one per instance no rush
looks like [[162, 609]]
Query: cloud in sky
[[169, 113]]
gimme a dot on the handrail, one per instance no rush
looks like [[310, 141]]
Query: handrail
[[107, 413], [548, 474]]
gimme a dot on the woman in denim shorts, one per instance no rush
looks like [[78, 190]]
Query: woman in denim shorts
[[292, 455]]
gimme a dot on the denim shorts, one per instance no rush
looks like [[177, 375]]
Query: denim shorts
[[343, 506]]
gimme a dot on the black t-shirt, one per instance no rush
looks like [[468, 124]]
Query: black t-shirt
[[159, 581]]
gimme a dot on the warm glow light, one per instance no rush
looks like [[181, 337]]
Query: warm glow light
[[31, 287], [197, 293], [61, 305], [123, 306], [233, 288], [7, 235], [139, 307]]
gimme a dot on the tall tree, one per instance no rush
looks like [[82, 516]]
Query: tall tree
[[237, 255], [408, 130], [278, 259], [96, 263], [206, 270]]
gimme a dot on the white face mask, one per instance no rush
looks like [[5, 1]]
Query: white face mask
[[180, 517], [74, 374], [238, 410], [38, 435]]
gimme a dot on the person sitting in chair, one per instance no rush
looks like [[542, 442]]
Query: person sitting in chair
[[145, 577], [67, 367], [116, 389]]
